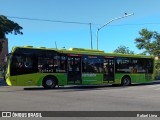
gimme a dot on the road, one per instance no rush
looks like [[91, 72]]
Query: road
[[144, 97]]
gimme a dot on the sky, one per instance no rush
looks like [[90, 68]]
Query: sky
[[70, 35]]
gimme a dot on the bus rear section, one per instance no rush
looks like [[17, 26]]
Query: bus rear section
[[134, 69]]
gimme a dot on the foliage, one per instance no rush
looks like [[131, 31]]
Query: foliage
[[149, 41], [7, 26], [124, 50]]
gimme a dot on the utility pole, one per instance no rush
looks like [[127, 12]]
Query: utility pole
[[90, 24]]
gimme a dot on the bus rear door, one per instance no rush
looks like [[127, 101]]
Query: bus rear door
[[109, 69], [74, 69]]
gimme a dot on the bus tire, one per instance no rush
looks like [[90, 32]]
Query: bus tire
[[49, 82], [126, 81]]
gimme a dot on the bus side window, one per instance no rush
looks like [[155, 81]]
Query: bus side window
[[62, 66], [59, 63]]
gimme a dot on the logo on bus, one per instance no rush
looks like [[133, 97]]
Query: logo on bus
[[89, 75]]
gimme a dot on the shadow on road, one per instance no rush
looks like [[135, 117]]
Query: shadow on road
[[77, 87], [157, 82]]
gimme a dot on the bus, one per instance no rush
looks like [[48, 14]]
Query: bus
[[49, 67]]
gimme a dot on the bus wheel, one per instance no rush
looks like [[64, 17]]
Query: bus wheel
[[49, 83], [126, 81]]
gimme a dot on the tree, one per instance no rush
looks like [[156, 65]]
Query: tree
[[124, 50], [7, 26], [149, 41]]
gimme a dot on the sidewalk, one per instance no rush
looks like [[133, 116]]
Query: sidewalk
[[2, 82]]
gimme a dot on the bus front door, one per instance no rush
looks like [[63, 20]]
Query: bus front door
[[74, 70], [109, 69]]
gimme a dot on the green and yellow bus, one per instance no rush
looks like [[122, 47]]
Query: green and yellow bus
[[29, 66]]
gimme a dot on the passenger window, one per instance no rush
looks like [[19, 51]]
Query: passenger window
[[92, 64], [22, 65]]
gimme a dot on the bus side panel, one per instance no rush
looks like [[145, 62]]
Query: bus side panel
[[135, 78], [27, 79], [35, 79], [92, 79], [118, 78], [11, 81], [61, 77]]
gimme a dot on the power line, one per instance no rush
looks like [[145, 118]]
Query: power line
[[72, 22], [59, 21], [46, 20]]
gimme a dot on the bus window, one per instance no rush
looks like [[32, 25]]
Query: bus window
[[92, 64], [63, 64], [50, 64], [147, 65], [134, 65], [22, 65], [74, 64], [45, 64], [60, 63]]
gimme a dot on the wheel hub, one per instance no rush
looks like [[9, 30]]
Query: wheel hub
[[49, 82]]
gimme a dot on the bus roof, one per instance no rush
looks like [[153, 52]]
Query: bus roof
[[82, 51]]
